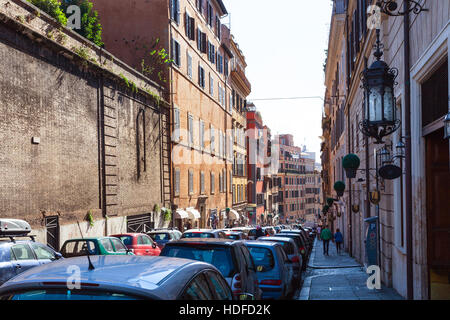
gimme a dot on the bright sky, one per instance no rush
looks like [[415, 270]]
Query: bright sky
[[284, 44]]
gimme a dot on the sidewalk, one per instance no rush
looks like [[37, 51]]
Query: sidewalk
[[339, 277]]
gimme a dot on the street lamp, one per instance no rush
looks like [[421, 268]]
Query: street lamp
[[378, 82]]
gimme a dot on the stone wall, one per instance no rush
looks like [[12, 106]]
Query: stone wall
[[80, 131]]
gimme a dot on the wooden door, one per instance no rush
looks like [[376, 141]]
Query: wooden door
[[438, 214]]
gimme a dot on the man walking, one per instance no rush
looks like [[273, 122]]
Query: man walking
[[319, 229], [326, 235]]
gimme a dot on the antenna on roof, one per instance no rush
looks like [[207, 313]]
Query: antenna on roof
[[91, 266]]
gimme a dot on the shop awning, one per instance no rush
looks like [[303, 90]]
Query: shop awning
[[180, 214], [193, 213], [233, 214]]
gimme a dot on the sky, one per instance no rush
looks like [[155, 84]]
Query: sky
[[284, 44]]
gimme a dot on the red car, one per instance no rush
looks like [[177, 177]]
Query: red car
[[140, 243]]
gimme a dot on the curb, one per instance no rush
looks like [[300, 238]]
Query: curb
[[306, 288]]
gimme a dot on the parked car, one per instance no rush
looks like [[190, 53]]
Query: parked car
[[301, 244], [291, 250], [203, 233], [17, 256], [274, 269], [268, 231], [139, 243], [277, 229], [121, 278], [162, 236], [94, 246], [232, 258], [309, 243], [235, 235]]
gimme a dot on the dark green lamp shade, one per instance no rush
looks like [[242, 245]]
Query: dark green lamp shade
[[330, 201], [339, 186]]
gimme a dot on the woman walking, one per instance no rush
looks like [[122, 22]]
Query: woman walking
[[338, 238]]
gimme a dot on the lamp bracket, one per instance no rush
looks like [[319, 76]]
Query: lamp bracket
[[390, 7]]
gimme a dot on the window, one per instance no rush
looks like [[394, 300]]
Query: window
[[202, 134], [175, 10], [189, 65], [211, 52], [106, 243], [191, 181], [199, 5], [176, 125], [213, 138], [213, 182], [197, 290], [176, 180], [234, 193], [210, 15], [202, 182], [218, 31], [201, 41], [219, 286], [219, 66], [176, 53], [201, 77], [42, 252], [211, 85], [191, 130], [190, 26], [22, 252], [118, 245]]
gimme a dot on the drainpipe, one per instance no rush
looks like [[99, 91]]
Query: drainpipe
[[408, 176]]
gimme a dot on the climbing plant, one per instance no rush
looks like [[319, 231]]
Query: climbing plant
[[52, 8]]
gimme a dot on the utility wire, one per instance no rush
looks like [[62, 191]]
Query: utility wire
[[290, 98]]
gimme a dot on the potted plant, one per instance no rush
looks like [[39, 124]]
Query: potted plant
[[339, 187]]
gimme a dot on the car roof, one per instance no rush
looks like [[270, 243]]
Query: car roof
[[285, 239], [131, 234], [202, 230], [152, 276], [220, 241], [262, 243], [88, 238]]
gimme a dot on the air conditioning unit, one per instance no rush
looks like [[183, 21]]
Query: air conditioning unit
[[14, 227]]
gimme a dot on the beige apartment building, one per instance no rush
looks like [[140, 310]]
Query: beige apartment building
[[240, 89], [197, 89], [413, 248]]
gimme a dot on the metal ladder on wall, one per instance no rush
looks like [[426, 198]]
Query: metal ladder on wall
[[166, 157]]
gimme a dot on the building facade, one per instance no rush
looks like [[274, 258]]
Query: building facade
[[413, 243], [200, 96]]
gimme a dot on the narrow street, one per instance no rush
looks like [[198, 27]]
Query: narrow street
[[338, 277]]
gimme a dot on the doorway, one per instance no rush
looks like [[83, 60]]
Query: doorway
[[438, 217], [52, 227]]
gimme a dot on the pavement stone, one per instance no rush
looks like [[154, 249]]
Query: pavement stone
[[338, 277]]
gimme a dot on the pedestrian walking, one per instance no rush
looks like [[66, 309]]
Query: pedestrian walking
[[319, 229], [326, 236], [259, 232], [338, 238]]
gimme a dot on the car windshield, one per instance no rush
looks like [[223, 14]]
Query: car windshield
[[159, 236], [198, 235], [233, 236], [79, 248], [220, 257], [288, 248], [64, 294], [262, 257], [127, 240]]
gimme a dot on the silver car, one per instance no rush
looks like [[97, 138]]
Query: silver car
[[119, 278]]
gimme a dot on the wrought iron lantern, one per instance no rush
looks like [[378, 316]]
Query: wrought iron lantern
[[400, 147], [447, 126], [378, 82]]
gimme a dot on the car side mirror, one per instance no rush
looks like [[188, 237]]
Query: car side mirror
[[58, 256], [154, 245], [246, 296]]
